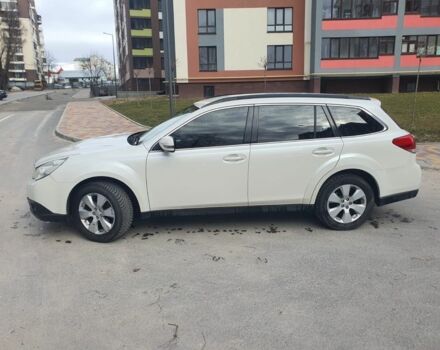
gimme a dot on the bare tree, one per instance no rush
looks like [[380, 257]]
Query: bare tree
[[10, 42], [49, 64], [95, 67], [50, 60], [263, 64]]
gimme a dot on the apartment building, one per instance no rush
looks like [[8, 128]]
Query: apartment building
[[236, 46], [140, 44], [375, 45], [27, 65]]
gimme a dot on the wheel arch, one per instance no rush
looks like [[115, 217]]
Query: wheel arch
[[371, 180], [134, 200]]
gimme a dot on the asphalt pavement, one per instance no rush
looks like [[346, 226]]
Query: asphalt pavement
[[272, 281]]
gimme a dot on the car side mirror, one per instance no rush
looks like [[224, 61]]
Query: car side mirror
[[167, 144]]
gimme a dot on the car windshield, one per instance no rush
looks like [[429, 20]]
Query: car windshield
[[148, 135]]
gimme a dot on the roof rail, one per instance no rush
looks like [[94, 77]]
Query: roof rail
[[230, 98]]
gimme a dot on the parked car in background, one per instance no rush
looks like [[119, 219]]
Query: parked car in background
[[341, 155], [3, 94]]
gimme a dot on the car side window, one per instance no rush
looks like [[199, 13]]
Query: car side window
[[219, 128], [352, 121], [289, 123]]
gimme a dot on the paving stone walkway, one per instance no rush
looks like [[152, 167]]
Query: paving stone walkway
[[86, 119], [428, 155]]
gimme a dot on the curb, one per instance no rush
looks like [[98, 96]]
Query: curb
[[27, 97], [125, 117], [60, 134]]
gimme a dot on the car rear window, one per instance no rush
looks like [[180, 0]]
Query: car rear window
[[352, 121]]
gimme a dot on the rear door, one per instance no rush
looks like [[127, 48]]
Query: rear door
[[294, 145]]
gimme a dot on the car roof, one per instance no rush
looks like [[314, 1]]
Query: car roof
[[277, 96]]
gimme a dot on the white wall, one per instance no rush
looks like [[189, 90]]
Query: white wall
[[246, 38]]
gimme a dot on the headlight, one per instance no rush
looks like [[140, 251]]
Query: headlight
[[47, 168]]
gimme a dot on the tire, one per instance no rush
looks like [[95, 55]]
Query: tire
[[105, 208], [335, 214]]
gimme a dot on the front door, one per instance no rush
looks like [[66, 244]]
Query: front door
[[295, 144], [209, 167]]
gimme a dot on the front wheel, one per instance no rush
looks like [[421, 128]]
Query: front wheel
[[344, 202], [102, 211]]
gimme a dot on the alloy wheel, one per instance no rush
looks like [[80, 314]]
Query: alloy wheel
[[346, 204], [96, 213]]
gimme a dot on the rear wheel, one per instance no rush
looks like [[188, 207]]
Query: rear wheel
[[102, 211], [344, 202]]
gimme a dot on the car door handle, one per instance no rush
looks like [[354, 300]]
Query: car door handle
[[233, 158], [323, 151]]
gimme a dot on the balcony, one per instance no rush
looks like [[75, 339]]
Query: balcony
[[148, 33], [418, 21], [140, 13], [408, 61], [385, 22], [147, 52], [359, 63]]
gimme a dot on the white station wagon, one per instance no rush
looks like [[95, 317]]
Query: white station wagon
[[340, 154]]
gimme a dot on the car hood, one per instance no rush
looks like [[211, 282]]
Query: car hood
[[94, 145]]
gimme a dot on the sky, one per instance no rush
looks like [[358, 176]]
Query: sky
[[75, 28]]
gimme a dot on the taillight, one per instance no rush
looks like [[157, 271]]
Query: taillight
[[407, 142]]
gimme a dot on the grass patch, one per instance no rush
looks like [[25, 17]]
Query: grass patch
[[153, 111], [400, 108], [149, 111]]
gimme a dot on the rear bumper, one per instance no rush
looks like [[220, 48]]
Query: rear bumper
[[397, 197], [44, 214]]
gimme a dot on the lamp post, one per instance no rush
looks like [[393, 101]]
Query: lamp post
[[114, 63], [420, 54], [168, 54]]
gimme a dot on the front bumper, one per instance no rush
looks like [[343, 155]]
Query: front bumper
[[50, 194], [44, 214]]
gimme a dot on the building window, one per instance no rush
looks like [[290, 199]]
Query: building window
[[279, 20], [390, 7], [142, 62], [425, 45], [16, 66], [279, 57], [386, 45], [141, 43], [140, 23], [430, 8], [349, 9], [409, 44], [366, 47], [139, 4], [208, 91], [207, 21], [412, 6], [208, 58]]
